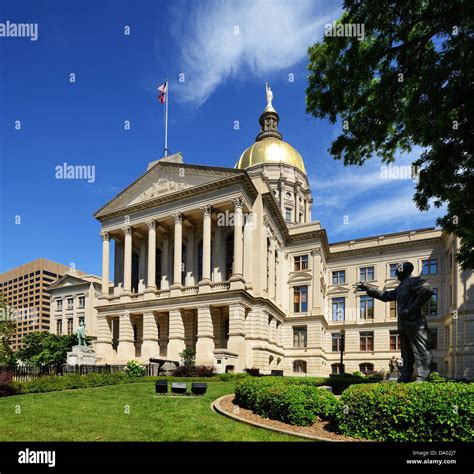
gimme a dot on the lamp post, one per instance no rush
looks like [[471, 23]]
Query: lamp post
[[342, 344]]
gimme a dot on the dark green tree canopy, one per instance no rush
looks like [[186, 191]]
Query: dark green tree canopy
[[408, 82], [43, 348]]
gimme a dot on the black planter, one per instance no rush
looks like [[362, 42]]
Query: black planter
[[179, 387], [198, 388], [161, 386]]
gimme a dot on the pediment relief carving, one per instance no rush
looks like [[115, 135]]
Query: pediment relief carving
[[296, 276]]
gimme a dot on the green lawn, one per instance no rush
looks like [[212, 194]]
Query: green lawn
[[99, 414]]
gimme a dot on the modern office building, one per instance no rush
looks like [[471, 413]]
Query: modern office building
[[25, 289]]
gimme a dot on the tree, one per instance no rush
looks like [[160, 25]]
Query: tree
[[7, 331], [408, 82], [43, 348]]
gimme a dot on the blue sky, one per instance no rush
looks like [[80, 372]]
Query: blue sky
[[116, 75]]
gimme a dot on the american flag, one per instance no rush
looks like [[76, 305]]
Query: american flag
[[162, 91]]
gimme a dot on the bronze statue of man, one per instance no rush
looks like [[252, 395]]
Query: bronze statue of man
[[411, 294]]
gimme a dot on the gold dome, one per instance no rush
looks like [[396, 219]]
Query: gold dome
[[271, 150]]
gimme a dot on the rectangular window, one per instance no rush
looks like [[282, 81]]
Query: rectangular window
[[82, 301], [366, 274], [429, 266], [433, 338], [69, 326], [70, 303], [338, 309], [430, 308], [300, 299], [301, 262], [336, 341], [287, 214], [81, 320], [300, 336], [393, 309], [366, 308], [394, 341], [339, 277], [59, 305], [59, 327], [393, 270], [366, 341]]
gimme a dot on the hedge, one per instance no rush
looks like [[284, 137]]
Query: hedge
[[408, 412], [296, 401]]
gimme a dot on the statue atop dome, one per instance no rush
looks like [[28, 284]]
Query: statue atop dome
[[269, 94]]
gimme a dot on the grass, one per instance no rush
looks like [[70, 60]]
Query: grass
[[100, 414]]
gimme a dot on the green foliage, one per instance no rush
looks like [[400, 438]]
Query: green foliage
[[7, 331], [405, 84], [408, 412], [189, 357], [43, 348], [340, 382], [435, 377], [295, 401], [135, 369], [53, 383]]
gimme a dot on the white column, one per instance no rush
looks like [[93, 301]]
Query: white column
[[206, 245], [218, 251], [316, 305], [165, 280], [248, 247], [205, 337], [176, 343], [178, 242], [127, 261], [150, 346], [238, 242], [151, 280], [126, 343], [282, 195], [190, 257], [105, 262], [297, 204], [142, 263], [271, 269]]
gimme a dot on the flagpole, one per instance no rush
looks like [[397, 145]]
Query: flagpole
[[166, 117]]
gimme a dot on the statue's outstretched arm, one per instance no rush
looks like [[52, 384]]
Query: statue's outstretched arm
[[385, 295]]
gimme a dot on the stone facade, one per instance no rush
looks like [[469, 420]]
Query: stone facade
[[229, 262]]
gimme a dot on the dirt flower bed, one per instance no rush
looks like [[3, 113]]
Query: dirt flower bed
[[319, 429]]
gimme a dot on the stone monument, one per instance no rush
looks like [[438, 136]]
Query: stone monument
[[82, 354]]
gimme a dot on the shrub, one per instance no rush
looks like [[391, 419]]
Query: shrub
[[340, 382], [408, 412], [205, 371], [135, 369], [231, 376], [254, 372], [6, 387], [289, 400]]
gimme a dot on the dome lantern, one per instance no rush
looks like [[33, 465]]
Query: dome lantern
[[269, 146]]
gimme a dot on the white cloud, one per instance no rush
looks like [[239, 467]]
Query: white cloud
[[393, 209], [271, 36]]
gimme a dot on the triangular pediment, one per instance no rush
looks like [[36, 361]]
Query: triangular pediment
[[67, 280], [337, 290], [164, 180]]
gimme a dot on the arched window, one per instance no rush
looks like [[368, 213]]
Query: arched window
[[366, 367], [299, 366]]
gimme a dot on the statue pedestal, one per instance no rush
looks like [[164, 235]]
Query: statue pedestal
[[81, 355]]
